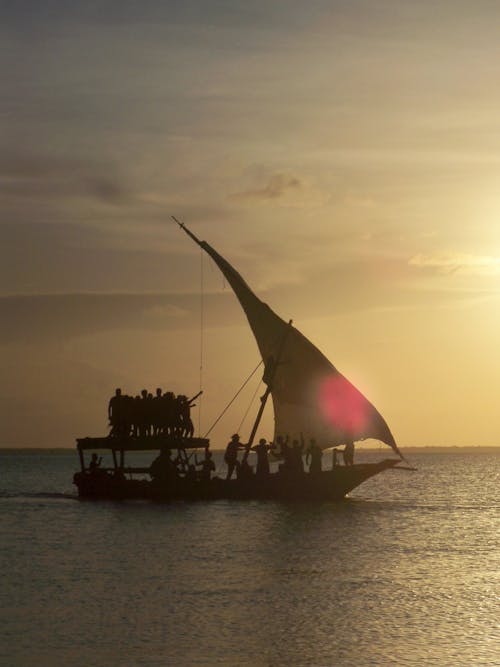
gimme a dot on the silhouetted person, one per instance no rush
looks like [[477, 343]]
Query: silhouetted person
[[150, 413], [262, 450], [280, 444], [157, 412], [143, 414], [115, 413], [95, 463], [334, 458], [207, 466], [348, 453], [314, 455], [231, 454], [168, 415], [184, 408], [128, 415], [163, 469], [285, 451], [135, 415], [297, 461]]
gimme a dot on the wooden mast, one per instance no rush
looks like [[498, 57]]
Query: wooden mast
[[269, 375]]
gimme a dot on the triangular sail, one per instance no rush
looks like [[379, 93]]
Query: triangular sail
[[310, 396]]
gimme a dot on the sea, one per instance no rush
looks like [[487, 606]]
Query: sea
[[406, 571]]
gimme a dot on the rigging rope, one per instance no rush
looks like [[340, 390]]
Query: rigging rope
[[249, 406], [202, 323], [234, 398]]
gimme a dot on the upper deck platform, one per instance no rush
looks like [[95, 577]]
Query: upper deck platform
[[141, 443]]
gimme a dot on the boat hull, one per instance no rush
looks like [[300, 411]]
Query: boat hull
[[327, 485]]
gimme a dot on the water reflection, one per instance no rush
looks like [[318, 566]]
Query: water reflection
[[400, 574]]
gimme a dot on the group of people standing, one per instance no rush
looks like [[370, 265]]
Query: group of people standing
[[147, 414], [292, 456]]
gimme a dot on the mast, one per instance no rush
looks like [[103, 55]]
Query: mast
[[269, 374], [188, 231]]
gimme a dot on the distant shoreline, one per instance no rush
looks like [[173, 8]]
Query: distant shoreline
[[435, 449]]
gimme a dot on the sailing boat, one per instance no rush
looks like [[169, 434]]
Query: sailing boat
[[311, 400]]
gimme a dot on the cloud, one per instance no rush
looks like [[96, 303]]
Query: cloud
[[460, 263], [24, 175], [284, 189], [59, 317]]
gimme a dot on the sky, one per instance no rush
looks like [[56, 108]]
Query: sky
[[344, 156]]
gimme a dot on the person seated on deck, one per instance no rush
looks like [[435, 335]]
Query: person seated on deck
[[163, 469], [314, 455], [207, 466], [262, 450], [348, 453], [231, 454], [95, 463]]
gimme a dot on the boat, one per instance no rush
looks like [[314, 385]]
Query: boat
[[311, 400]]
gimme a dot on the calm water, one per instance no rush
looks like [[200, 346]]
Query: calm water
[[405, 572]]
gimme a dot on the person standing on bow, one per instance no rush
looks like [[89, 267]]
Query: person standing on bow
[[314, 455], [231, 454], [262, 450], [348, 453]]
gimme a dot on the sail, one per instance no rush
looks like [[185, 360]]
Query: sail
[[310, 396]]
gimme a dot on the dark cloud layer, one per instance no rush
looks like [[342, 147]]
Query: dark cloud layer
[[26, 176], [59, 317]]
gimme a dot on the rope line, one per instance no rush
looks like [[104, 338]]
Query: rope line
[[233, 399], [202, 328], [249, 406]]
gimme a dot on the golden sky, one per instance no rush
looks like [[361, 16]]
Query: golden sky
[[343, 156]]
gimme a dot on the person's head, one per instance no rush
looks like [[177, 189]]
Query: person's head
[[144, 393], [118, 391], [262, 441], [235, 437], [158, 392]]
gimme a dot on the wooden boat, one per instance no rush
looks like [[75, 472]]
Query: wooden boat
[[311, 399]]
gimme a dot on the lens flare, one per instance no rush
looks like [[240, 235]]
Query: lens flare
[[343, 406]]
